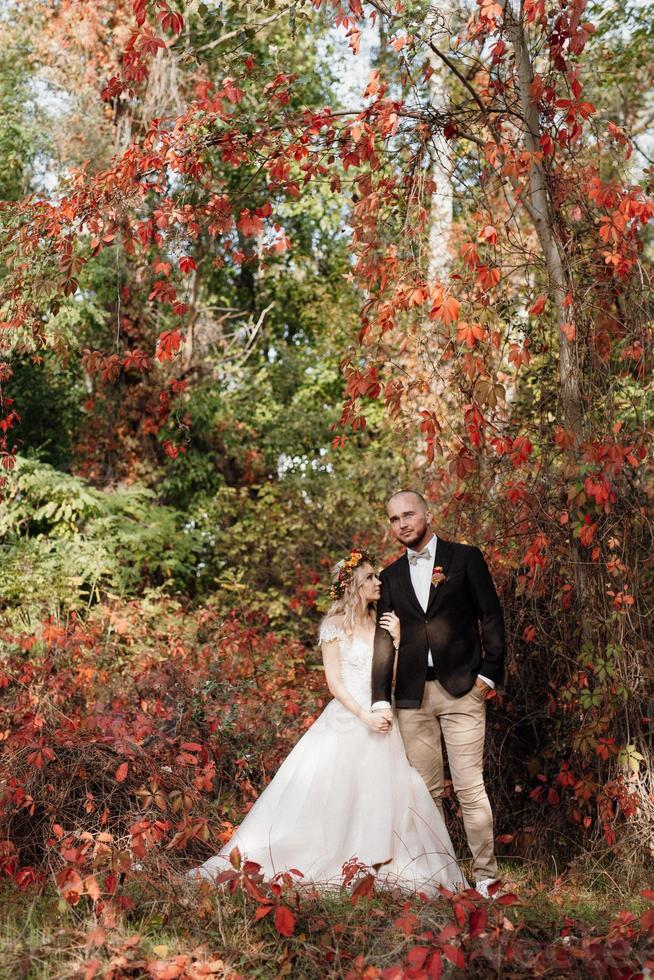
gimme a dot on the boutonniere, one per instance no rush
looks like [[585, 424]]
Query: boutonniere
[[437, 576]]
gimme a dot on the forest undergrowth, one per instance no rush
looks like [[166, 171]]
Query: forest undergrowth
[[117, 780]]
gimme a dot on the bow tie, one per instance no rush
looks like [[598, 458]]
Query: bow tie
[[415, 555]]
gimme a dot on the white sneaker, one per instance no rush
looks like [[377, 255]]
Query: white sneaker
[[481, 886]]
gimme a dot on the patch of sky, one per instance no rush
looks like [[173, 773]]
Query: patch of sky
[[303, 464]]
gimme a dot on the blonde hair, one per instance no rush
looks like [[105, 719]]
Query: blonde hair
[[347, 604]]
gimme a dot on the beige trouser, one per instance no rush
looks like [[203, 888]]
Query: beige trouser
[[462, 722]]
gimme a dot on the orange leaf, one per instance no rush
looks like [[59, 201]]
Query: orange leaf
[[96, 937], [121, 772], [470, 332], [92, 887]]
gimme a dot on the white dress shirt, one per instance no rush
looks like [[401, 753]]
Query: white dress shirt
[[421, 572]]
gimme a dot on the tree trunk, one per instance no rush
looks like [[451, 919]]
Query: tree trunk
[[440, 230], [542, 216], [539, 208]]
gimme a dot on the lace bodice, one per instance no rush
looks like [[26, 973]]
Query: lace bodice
[[356, 660]]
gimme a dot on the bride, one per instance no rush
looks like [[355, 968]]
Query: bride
[[347, 791]]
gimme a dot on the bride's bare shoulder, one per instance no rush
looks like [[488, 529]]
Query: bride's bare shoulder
[[331, 628]]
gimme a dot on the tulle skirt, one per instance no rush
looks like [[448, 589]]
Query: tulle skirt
[[345, 792]]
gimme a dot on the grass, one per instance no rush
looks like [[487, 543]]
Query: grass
[[177, 930]]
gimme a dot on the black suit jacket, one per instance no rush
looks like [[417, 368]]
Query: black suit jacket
[[461, 607]]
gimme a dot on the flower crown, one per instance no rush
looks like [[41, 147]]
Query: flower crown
[[359, 556]]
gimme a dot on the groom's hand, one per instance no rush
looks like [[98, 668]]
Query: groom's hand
[[482, 687], [385, 713]]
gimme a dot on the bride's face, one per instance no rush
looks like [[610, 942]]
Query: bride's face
[[370, 586]]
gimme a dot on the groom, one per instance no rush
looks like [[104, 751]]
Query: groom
[[444, 597]]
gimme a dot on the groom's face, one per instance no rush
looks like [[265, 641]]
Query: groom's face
[[409, 519]]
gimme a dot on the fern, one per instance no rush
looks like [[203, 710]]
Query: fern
[[66, 543]]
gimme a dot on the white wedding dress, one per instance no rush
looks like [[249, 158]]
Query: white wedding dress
[[346, 792]]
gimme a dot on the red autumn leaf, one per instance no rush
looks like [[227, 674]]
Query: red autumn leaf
[[586, 534], [121, 772], [462, 463], [454, 955], [478, 921], [150, 43], [252, 890], [139, 7], [363, 888], [169, 20], [647, 920], [488, 276], [136, 359], [168, 344], [232, 91], [508, 899], [504, 839], [187, 264], [435, 966], [161, 268], [262, 911], [110, 883], [406, 923], [497, 52], [488, 234], [538, 305], [284, 921], [445, 308], [173, 452], [249, 223], [470, 333], [417, 956], [25, 877], [449, 932]]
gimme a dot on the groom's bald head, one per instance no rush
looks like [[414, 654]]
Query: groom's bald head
[[418, 499]]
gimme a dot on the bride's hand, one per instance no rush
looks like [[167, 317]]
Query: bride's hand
[[390, 622], [376, 721]]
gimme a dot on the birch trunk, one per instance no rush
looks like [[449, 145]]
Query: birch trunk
[[440, 230]]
